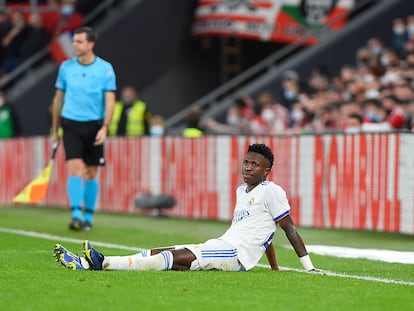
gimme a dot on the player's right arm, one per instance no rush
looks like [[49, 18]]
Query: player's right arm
[[56, 109]]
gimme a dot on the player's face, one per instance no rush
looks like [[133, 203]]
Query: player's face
[[255, 169], [81, 45]]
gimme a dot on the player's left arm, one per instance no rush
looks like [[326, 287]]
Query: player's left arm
[[286, 223], [271, 257], [109, 111]]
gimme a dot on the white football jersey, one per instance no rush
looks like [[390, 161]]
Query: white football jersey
[[254, 217]]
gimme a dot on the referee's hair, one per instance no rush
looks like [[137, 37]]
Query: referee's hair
[[264, 151], [90, 33]]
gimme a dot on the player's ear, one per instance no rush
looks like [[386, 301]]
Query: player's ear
[[267, 171]]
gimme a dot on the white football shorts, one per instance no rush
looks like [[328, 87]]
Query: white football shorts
[[214, 254]]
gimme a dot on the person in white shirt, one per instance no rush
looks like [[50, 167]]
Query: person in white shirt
[[261, 205]]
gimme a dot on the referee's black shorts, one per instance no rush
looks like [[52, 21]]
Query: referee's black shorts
[[78, 140]]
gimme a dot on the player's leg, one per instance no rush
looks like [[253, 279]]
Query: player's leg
[[183, 259], [215, 254], [93, 157], [69, 259], [90, 195], [75, 167], [161, 259], [75, 191]]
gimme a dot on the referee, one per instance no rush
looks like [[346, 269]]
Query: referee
[[83, 106]]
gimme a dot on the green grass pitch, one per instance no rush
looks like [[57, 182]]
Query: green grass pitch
[[30, 279]]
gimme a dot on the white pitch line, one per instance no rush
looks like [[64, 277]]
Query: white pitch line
[[57, 238], [347, 276]]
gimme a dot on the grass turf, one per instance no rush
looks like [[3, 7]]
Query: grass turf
[[31, 280]]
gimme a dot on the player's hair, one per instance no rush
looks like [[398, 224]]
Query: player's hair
[[90, 33], [264, 151]]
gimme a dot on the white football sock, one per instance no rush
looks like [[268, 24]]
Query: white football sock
[[84, 263], [161, 261]]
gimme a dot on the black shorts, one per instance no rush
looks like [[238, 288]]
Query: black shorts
[[78, 141]]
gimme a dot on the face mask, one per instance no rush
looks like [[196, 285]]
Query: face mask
[[372, 116], [156, 130], [127, 101], [385, 60], [290, 95], [297, 114], [268, 115], [376, 50], [410, 29], [368, 79], [67, 9], [399, 29], [233, 120]]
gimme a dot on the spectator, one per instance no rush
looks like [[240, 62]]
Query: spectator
[[399, 36], [410, 27], [376, 46], [353, 123], [37, 38], [193, 126], [393, 104], [409, 47], [326, 118], [5, 27], [389, 58], [157, 126], [67, 19], [375, 116], [50, 16], [408, 108], [131, 116], [408, 73], [13, 41], [365, 58], [290, 88], [347, 109], [275, 115], [7, 122], [236, 122], [258, 125]]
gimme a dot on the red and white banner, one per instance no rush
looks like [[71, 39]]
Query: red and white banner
[[306, 21], [61, 48], [363, 182]]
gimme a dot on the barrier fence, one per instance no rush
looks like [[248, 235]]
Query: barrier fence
[[361, 181]]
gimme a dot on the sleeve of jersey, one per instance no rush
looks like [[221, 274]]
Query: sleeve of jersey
[[110, 79], [60, 81], [278, 203]]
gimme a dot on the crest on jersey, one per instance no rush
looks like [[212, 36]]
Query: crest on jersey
[[251, 202]]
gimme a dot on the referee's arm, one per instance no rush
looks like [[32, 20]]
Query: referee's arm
[[56, 109], [109, 111]]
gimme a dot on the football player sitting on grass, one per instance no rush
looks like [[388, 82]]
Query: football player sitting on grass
[[260, 206]]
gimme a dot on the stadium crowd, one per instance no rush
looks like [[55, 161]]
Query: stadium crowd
[[25, 30], [376, 93]]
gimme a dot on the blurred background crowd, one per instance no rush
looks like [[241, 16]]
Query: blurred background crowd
[[374, 93]]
